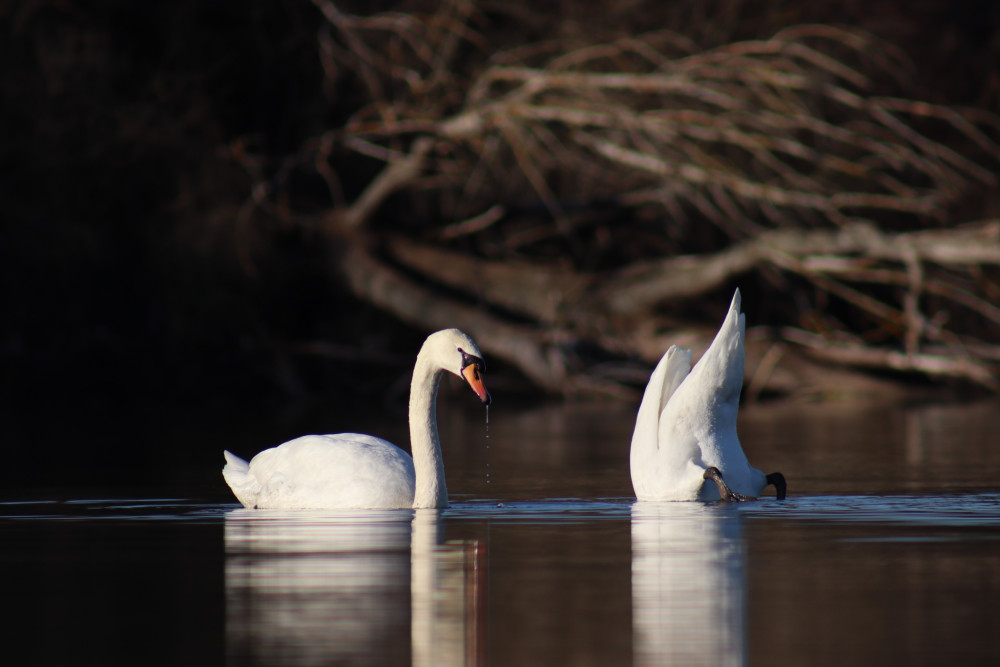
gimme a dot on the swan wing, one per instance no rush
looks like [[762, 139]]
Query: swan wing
[[346, 470], [708, 404], [671, 370], [645, 457], [704, 407], [717, 378]]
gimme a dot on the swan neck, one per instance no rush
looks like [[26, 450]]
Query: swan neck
[[425, 444]]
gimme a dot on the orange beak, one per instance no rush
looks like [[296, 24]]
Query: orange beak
[[475, 379]]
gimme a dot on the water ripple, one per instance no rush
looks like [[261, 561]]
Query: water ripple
[[929, 510], [966, 510]]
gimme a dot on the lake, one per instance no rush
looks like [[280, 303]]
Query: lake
[[887, 549]]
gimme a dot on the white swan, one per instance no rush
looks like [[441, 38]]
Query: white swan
[[352, 470], [685, 432]]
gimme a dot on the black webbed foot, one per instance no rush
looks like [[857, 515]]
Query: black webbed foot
[[725, 492], [778, 480]]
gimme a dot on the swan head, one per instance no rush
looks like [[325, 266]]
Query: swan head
[[458, 354]]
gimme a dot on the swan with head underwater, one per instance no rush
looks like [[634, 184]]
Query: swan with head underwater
[[353, 470], [685, 431]]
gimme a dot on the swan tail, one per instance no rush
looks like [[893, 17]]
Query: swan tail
[[724, 360], [673, 367], [677, 367], [735, 322], [237, 475], [235, 464]]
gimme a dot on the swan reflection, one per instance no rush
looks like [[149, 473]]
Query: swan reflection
[[688, 585], [372, 587], [448, 596]]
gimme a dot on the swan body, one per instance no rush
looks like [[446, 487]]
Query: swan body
[[353, 470], [685, 431]]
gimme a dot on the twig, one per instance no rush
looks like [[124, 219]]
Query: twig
[[933, 365], [399, 173], [474, 224], [375, 282]]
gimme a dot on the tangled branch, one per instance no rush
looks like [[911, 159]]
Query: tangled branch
[[751, 135], [798, 157]]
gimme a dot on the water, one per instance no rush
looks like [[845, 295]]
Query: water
[[887, 550]]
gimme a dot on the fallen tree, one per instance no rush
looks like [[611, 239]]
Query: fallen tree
[[665, 171], [618, 310]]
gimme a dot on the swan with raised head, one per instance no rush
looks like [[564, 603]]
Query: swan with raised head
[[685, 431], [353, 470]]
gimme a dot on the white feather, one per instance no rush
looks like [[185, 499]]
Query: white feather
[[687, 422]]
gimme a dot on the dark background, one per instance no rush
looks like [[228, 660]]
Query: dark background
[[138, 297]]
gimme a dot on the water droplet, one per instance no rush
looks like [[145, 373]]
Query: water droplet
[[488, 480]]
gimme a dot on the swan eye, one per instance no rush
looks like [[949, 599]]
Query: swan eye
[[472, 360]]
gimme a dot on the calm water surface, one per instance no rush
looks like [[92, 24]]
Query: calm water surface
[[887, 551]]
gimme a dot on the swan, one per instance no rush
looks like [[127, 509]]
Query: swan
[[353, 470], [685, 431]]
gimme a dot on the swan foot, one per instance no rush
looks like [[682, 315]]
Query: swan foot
[[725, 492], [778, 480]]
